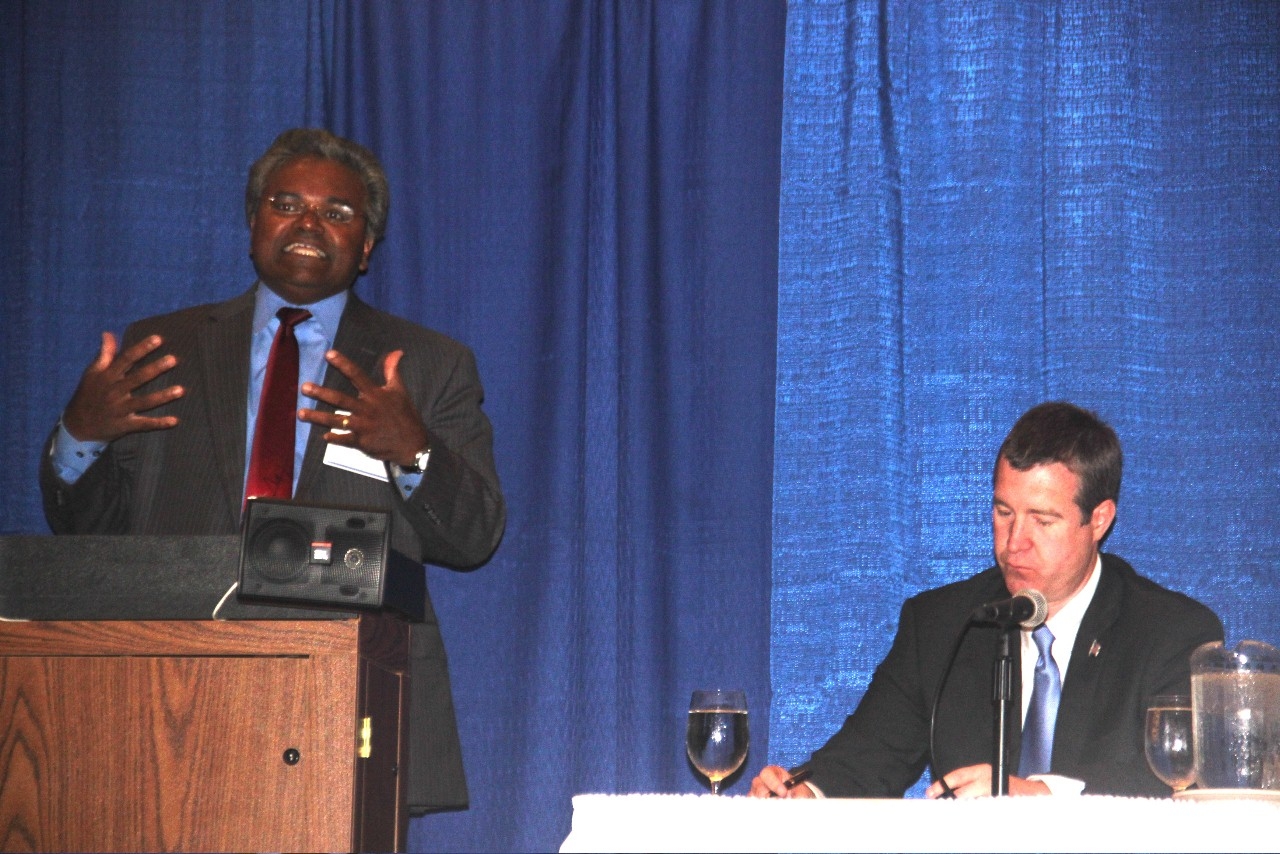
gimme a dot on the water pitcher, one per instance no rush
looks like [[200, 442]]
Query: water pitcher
[[1235, 703]]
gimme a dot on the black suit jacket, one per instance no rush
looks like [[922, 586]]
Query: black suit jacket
[[190, 479], [1135, 641]]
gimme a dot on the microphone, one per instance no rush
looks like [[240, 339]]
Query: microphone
[[1027, 608]]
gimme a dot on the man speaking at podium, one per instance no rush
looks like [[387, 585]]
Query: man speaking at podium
[[296, 388], [1111, 640]]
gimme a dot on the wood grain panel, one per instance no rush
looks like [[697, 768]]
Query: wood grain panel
[[193, 760], [171, 736]]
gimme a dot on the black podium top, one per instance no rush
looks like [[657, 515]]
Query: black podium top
[[90, 577]]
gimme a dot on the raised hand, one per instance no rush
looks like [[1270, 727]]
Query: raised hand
[[104, 406], [383, 422]]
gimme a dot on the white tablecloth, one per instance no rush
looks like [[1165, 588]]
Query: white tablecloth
[[709, 823]]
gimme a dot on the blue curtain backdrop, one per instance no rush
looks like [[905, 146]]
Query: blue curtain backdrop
[[983, 204], [990, 204], [584, 192]]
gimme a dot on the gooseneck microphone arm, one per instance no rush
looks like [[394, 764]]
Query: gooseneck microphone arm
[[933, 711], [1028, 609], [1002, 699]]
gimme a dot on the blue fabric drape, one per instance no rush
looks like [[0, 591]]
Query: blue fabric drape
[[584, 192], [990, 204], [984, 204]]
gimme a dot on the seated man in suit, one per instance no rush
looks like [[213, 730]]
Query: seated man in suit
[[1113, 640], [163, 434]]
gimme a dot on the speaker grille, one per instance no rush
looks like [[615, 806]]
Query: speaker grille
[[280, 550], [322, 554]]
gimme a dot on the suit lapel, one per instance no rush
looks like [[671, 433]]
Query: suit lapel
[[360, 339], [225, 342], [1087, 675]]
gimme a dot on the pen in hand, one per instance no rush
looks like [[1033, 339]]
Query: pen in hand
[[798, 776]]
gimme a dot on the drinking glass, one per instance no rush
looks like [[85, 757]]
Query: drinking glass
[[717, 736], [1168, 740]]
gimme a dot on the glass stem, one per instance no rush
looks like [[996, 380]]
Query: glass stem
[[715, 787]]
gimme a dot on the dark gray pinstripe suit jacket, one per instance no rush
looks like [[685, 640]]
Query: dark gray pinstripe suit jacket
[[189, 480]]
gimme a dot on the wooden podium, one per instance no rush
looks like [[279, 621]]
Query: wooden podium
[[264, 735]]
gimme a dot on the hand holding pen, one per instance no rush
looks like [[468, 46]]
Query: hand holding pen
[[775, 781], [798, 776]]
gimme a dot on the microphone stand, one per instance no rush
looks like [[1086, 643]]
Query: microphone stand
[[1002, 697]]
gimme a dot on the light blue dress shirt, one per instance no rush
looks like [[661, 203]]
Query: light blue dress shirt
[[71, 458]]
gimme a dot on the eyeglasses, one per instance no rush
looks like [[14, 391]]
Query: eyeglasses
[[291, 206]]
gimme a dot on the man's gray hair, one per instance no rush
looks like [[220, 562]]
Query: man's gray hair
[[316, 142]]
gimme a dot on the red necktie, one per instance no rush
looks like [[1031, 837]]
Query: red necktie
[[271, 464]]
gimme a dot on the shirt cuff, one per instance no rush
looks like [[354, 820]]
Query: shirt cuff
[[71, 458], [1059, 785], [405, 481]]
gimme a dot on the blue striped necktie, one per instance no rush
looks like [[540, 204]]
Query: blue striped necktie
[[1037, 732]]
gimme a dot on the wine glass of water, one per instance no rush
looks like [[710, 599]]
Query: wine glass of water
[[717, 736], [1168, 740]]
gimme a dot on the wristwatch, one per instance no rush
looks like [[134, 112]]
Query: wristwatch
[[420, 460]]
